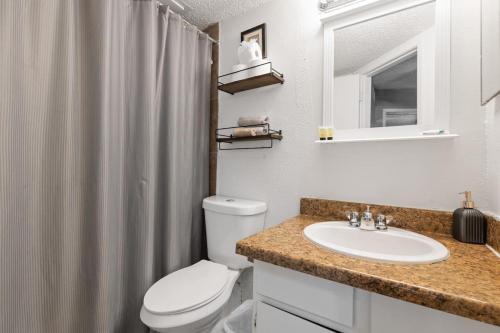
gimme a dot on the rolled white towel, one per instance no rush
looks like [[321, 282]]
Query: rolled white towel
[[249, 121], [242, 132]]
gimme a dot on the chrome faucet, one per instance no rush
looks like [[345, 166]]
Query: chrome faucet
[[367, 222]]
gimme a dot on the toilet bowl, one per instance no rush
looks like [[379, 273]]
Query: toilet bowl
[[193, 299], [166, 309]]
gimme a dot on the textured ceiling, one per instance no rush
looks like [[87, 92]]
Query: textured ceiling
[[357, 45], [205, 12]]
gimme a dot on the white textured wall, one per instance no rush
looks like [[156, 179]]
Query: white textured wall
[[492, 124], [421, 174]]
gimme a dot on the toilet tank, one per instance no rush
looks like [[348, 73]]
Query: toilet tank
[[227, 221]]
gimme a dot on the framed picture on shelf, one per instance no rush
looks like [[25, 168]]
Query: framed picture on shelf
[[259, 34]]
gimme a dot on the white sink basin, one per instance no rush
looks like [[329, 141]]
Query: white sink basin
[[395, 245]]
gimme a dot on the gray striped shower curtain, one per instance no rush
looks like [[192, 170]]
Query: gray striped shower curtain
[[104, 112]]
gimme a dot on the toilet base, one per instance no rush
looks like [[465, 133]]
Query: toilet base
[[205, 327]]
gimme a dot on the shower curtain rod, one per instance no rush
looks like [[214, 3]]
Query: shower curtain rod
[[186, 22]]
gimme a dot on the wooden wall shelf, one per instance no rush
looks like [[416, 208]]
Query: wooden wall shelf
[[252, 82]]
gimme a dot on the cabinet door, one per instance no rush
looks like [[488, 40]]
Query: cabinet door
[[333, 302], [273, 320]]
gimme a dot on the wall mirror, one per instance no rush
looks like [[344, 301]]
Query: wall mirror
[[387, 67]]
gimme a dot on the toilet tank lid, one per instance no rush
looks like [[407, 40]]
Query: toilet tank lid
[[233, 206]]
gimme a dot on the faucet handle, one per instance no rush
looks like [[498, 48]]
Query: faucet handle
[[383, 221], [353, 218]]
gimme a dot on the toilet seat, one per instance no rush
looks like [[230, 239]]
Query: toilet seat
[[187, 289], [193, 317]]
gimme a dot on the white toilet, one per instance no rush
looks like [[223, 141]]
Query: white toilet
[[192, 299]]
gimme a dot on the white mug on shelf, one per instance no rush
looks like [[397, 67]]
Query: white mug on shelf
[[249, 51]]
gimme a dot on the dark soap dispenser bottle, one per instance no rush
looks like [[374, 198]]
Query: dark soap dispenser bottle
[[469, 224]]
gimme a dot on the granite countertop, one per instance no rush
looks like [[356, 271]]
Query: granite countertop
[[467, 284]]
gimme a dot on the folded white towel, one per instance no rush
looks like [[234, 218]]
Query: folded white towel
[[249, 121], [242, 132]]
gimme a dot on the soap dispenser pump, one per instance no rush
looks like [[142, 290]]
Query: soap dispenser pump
[[367, 222], [469, 224]]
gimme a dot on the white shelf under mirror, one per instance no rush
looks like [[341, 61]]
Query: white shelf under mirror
[[393, 138]]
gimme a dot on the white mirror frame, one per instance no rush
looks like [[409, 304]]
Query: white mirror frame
[[363, 10], [490, 50]]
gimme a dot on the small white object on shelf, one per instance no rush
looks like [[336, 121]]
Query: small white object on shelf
[[239, 75], [260, 68], [249, 51], [434, 132]]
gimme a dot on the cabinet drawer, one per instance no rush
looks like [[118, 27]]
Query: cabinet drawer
[[319, 297], [272, 320]]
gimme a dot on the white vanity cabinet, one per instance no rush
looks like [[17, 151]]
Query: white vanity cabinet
[[289, 301]]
